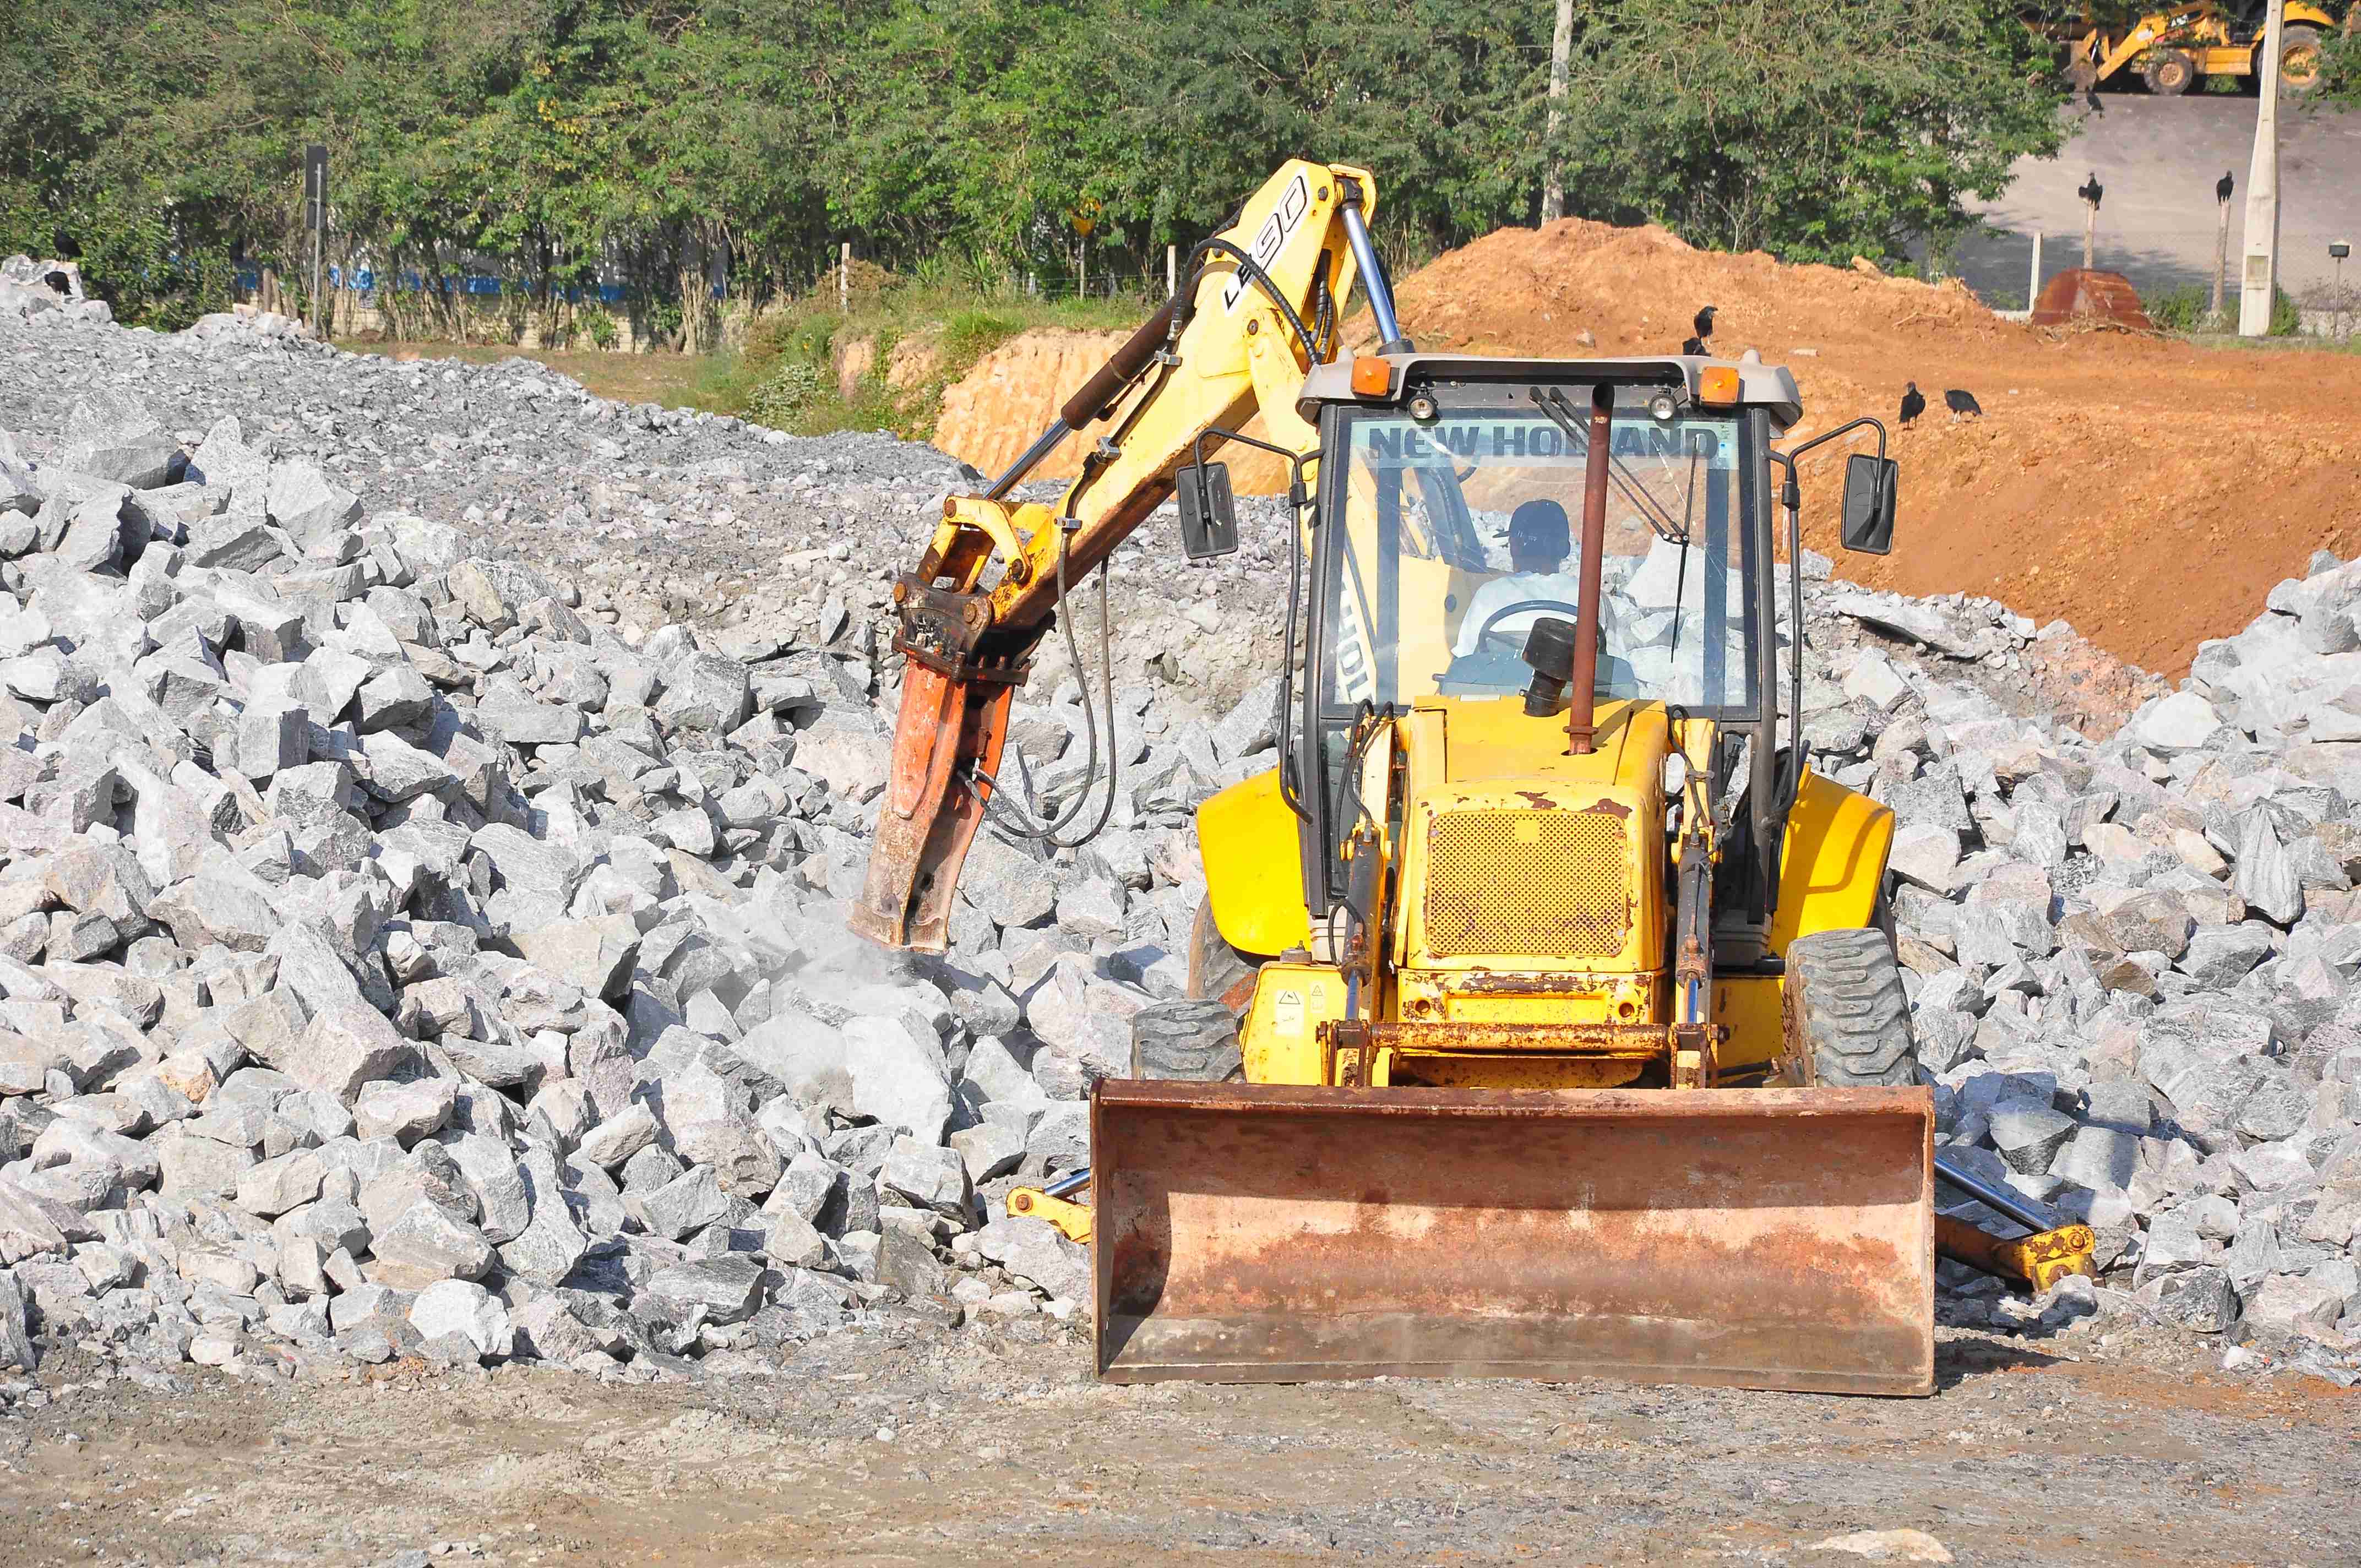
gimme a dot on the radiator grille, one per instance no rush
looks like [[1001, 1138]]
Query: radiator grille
[[1536, 883]]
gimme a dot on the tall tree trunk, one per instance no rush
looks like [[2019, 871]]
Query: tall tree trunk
[[688, 278], [1561, 46]]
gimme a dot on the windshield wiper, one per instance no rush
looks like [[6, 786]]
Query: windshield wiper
[[1681, 579], [1660, 521]]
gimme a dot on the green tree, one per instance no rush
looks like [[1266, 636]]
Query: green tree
[[1815, 129], [1439, 99], [676, 142]]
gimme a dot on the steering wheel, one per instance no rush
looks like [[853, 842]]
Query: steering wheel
[[1520, 608]]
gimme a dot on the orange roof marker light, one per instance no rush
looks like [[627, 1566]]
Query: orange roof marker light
[[1717, 384], [1372, 377]]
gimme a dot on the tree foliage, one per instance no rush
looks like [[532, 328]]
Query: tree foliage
[[2339, 64], [666, 142], [1815, 131]]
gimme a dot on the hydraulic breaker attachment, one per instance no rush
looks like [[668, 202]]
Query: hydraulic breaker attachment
[[949, 728], [1773, 1238]]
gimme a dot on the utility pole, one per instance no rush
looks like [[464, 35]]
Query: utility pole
[[2258, 279], [1561, 46], [316, 212], [2033, 284], [2089, 233], [1171, 270], [844, 280]]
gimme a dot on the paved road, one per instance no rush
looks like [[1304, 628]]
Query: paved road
[[2158, 159]]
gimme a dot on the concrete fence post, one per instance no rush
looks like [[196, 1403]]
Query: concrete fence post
[[2221, 262]]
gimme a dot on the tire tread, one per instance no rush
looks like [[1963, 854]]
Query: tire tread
[[1845, 992], [1187, 1042]]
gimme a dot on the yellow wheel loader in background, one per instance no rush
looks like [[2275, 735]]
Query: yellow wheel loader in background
[[1566, 1039]]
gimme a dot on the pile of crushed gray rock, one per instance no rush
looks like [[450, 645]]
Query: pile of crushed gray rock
[[396, 959], [2132, 960], [406, 950], [52, 288]]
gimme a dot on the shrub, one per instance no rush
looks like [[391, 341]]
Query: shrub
[[2286, 320], [2185, 309], [596, 324], [2189, 309], [786, 395], [970, 334]]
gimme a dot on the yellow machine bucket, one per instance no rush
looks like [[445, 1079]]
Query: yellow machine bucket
[[1766, 1238]]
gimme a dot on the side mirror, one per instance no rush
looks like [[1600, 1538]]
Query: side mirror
[[1868, 504], [1209, 513]]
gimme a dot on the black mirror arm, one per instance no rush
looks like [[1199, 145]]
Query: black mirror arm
[[1825, 437], [1297, 498], [1791, 497]]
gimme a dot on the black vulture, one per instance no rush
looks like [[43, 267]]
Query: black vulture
[[2091, 101], [1961, 403], [1704, 322], [2091, 189], [1692, 345], [1914, 404], [2222, 187]]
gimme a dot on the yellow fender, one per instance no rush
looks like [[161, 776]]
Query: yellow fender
[[1254, 867], [1832, 862], [1831, 866]]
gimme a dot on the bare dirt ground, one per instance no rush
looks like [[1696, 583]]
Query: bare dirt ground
[[2105, 1446], [2147, 490]]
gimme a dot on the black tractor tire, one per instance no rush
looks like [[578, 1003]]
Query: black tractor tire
[[1218, 971], [2169, 74], [1848, 1020], [1187, 1042]]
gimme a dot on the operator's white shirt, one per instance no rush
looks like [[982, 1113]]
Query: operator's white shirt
[[1559, 587]]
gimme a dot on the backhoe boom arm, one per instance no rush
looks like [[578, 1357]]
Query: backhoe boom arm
[[1260, 306]]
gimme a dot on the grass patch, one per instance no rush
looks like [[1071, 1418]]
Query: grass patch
[[2298, 343], [785, 376]]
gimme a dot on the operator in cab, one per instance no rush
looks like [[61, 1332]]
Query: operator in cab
[[1540, 540]]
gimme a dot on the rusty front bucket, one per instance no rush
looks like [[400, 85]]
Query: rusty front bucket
[[1765, 1238]]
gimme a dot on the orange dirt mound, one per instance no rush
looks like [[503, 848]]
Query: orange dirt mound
[[1532, 291], [2147, 491], [1008, 397]]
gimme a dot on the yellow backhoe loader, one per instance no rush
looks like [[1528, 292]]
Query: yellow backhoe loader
[[2174, 50], [1548, 1021]]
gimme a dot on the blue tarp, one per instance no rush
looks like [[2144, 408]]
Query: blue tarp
[[364, 280]]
